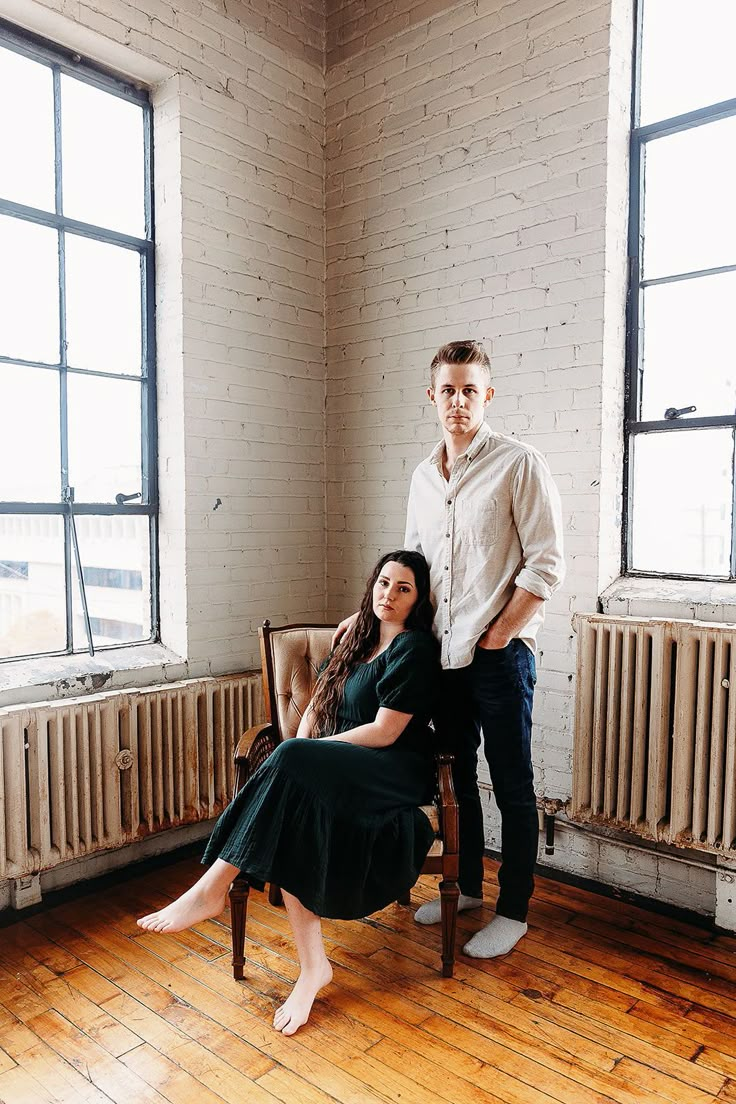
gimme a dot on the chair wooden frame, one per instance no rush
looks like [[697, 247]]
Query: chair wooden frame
[[256, 745]]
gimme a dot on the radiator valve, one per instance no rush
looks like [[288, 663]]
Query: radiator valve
[[549, 833]]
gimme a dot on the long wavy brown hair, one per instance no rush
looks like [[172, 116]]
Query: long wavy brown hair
[[357, 645]]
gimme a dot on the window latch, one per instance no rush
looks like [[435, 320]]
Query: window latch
[[672, 412], [121, 498]]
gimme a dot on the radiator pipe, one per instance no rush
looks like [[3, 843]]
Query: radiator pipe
[[633, 845], [549, 833]]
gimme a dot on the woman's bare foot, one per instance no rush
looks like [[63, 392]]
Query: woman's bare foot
[[197, 904], [294, 1012]]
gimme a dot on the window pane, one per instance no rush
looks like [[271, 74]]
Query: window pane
[[683, 489], [689, 211], [26, 131], [32, 605], [104, 437], [687, 56], [117, 574], [102, 157], [689, 347], [103, 303], [29, 291], [30, 458]]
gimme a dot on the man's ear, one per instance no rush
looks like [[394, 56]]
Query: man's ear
[[489, 394], [430, 394]]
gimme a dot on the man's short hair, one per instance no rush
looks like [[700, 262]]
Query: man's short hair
[[460, 352]]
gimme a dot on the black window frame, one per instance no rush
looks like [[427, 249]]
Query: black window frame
[[64, 61], [633, 426]]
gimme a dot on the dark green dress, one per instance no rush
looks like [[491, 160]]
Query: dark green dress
[[337, 825]]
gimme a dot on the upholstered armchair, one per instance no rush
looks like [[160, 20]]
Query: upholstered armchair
[[290, 659]]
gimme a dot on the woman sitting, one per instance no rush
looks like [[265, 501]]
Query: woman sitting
[[335, 821]]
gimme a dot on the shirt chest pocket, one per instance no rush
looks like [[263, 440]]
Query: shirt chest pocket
[[477, 523]]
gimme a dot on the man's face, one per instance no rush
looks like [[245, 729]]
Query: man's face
[[461, 394]]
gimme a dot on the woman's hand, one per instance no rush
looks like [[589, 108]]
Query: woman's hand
[[344, 627]]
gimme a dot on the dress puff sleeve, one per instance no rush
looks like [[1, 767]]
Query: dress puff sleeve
[[410, 680]]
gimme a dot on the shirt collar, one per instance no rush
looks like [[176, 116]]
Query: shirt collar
[[482, 435]]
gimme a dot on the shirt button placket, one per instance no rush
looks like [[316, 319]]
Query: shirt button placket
[[449, 527]]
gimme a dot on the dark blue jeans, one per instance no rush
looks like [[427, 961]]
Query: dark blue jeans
[[494, 696]]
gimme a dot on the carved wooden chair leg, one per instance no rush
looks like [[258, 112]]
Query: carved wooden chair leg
[[238, 909], [449, 893], [404, 899], [275, 897]]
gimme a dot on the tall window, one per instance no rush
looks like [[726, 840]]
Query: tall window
[[681, 413], [77, 388]]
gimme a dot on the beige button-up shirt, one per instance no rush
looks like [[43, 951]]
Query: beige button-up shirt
[[495, 524]]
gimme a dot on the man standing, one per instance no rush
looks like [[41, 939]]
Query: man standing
[[486, 514]]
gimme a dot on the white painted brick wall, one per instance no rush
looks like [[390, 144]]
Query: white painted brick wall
[[466, 194]]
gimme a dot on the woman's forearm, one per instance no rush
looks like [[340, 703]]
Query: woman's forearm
[[368, 735], [306, 724]]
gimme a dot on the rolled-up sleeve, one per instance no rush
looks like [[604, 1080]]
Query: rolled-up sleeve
[[538, 519]]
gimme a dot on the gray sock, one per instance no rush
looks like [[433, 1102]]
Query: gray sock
[[497, 938], [430, 911]]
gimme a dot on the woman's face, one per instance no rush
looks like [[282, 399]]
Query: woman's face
[[394, 593]]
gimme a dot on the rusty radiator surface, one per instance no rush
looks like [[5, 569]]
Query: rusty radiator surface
[[94, 773], [655, 729]]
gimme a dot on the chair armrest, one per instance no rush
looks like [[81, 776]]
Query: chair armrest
[[254, 747], [447, 803], [250, 736]]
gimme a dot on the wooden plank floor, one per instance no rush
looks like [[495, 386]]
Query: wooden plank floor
[[602, 1003]]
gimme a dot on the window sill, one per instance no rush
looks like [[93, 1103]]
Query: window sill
[[48, 678], [690, 599]]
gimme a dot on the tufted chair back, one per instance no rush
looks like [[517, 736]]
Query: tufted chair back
[[291, 660]]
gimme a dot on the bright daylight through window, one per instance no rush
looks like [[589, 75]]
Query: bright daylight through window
[[77, 415], [682, 352]]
